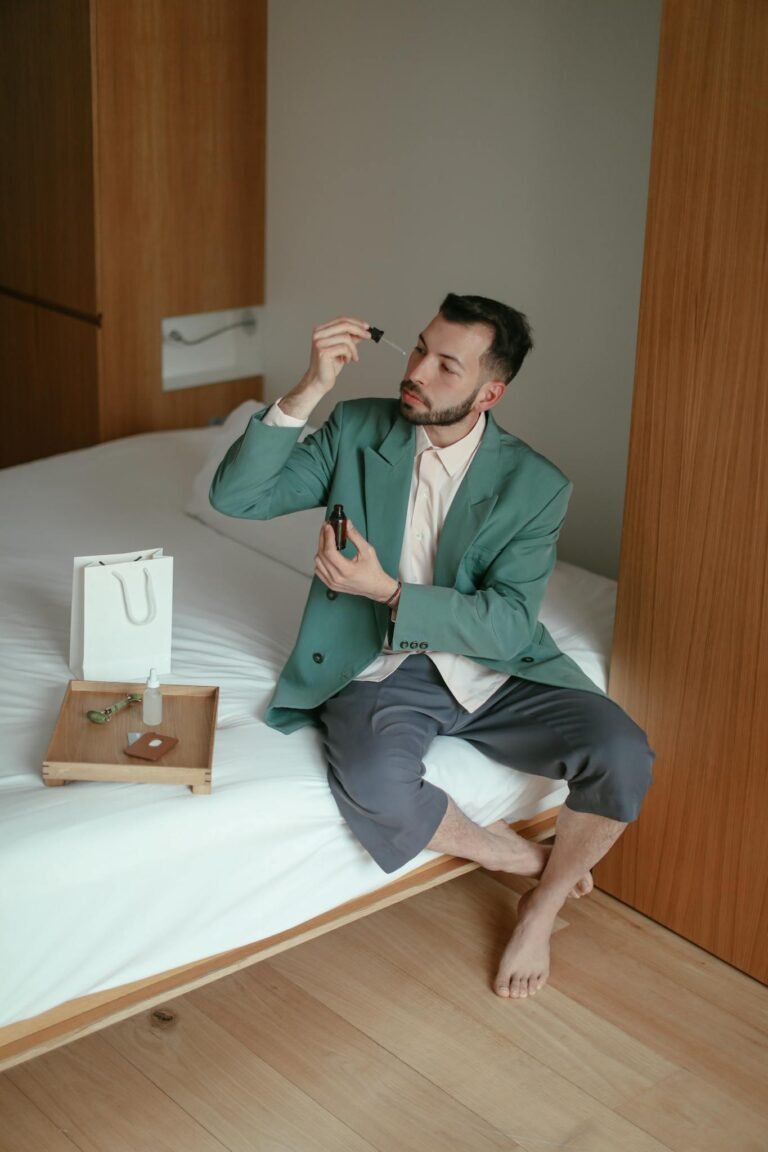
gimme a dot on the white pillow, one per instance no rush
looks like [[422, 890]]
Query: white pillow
[[290, 539], [578, 611]]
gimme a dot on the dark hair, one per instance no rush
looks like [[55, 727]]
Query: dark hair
[[512, 339]]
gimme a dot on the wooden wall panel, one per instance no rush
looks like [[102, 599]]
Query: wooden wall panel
[[47, 245], [48, 365], [180, 130], [690, 659]]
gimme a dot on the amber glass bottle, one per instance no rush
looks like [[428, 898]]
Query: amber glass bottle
[[338, 522]]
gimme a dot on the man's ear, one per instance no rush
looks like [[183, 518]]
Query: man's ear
[[490, 394]]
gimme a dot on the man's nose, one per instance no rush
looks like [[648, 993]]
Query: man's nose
[[420, 369]]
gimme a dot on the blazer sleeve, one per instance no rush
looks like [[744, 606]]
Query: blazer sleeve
[[267, 473], [498, 620]]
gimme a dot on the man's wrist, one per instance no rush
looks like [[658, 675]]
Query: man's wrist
[[276, 418], [302, 400], [394, 597]]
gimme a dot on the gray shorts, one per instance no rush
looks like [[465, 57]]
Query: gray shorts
[[376, 734]]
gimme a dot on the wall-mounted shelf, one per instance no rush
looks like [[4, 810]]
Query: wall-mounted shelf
[[211, 347]]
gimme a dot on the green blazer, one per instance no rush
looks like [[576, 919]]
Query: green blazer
[[494, 557]]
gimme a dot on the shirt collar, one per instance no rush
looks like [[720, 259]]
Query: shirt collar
[[455, 456]]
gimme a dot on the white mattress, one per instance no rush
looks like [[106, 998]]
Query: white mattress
[[103, 884]]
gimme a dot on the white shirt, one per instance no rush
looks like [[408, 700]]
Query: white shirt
[[437, 474]]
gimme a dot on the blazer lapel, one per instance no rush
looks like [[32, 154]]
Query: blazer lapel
[[388, 471], [470, 508]]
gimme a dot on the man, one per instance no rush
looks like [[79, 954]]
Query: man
[[427, 623]]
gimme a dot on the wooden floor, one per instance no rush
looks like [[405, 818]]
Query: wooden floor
[[385, 1035]]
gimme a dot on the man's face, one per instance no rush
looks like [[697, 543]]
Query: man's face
[[443, 377]]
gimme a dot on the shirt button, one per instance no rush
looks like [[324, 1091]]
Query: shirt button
[[528, 660], [318, 657], [331, 594]]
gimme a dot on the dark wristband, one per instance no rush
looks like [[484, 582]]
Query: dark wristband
[[394, 594]]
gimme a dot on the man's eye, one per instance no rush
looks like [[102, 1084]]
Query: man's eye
[[450, 371]]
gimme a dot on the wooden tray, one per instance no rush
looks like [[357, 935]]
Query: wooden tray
[[82, 750]]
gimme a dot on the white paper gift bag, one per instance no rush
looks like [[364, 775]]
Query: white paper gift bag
[[122, 615]]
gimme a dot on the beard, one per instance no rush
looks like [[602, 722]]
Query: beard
[[426, 414]]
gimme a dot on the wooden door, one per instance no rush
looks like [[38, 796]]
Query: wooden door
[[48, 368], [180, 144], [47, 247], [690, 659], [48, 300]]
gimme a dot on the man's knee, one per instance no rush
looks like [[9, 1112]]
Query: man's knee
[[629, 760], [619, 769], [377, 779], [386, 752], [394, 822]]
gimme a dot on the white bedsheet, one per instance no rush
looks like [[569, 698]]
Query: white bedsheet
[[103, 884]]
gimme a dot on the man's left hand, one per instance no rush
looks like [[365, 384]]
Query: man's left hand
[[360, 576]]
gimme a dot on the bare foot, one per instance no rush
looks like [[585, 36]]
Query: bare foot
[[527, 858], [524, 965]]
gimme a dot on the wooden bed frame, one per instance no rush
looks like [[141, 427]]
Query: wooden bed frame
[[29, 1038]]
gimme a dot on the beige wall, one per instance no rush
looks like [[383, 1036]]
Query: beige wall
[[417, 147]]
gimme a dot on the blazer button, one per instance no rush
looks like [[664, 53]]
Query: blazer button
[[413, 644], [318, 657], [403, 643], [331, 594], [423, 644], [527, 659]]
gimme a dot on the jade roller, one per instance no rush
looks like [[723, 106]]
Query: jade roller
[[106, 714]]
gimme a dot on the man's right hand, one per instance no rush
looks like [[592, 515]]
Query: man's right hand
[[333, 345]]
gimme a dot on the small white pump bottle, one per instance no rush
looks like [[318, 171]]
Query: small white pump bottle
[[152, 704]]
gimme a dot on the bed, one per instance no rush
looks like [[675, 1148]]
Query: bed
[[112, 894]]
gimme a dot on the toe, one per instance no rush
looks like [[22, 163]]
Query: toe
[[501, 982]]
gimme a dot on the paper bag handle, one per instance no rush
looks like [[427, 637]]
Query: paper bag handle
[[151, 605]]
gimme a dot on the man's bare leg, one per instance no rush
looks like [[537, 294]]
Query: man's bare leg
[[496, 847], [581, 839]]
